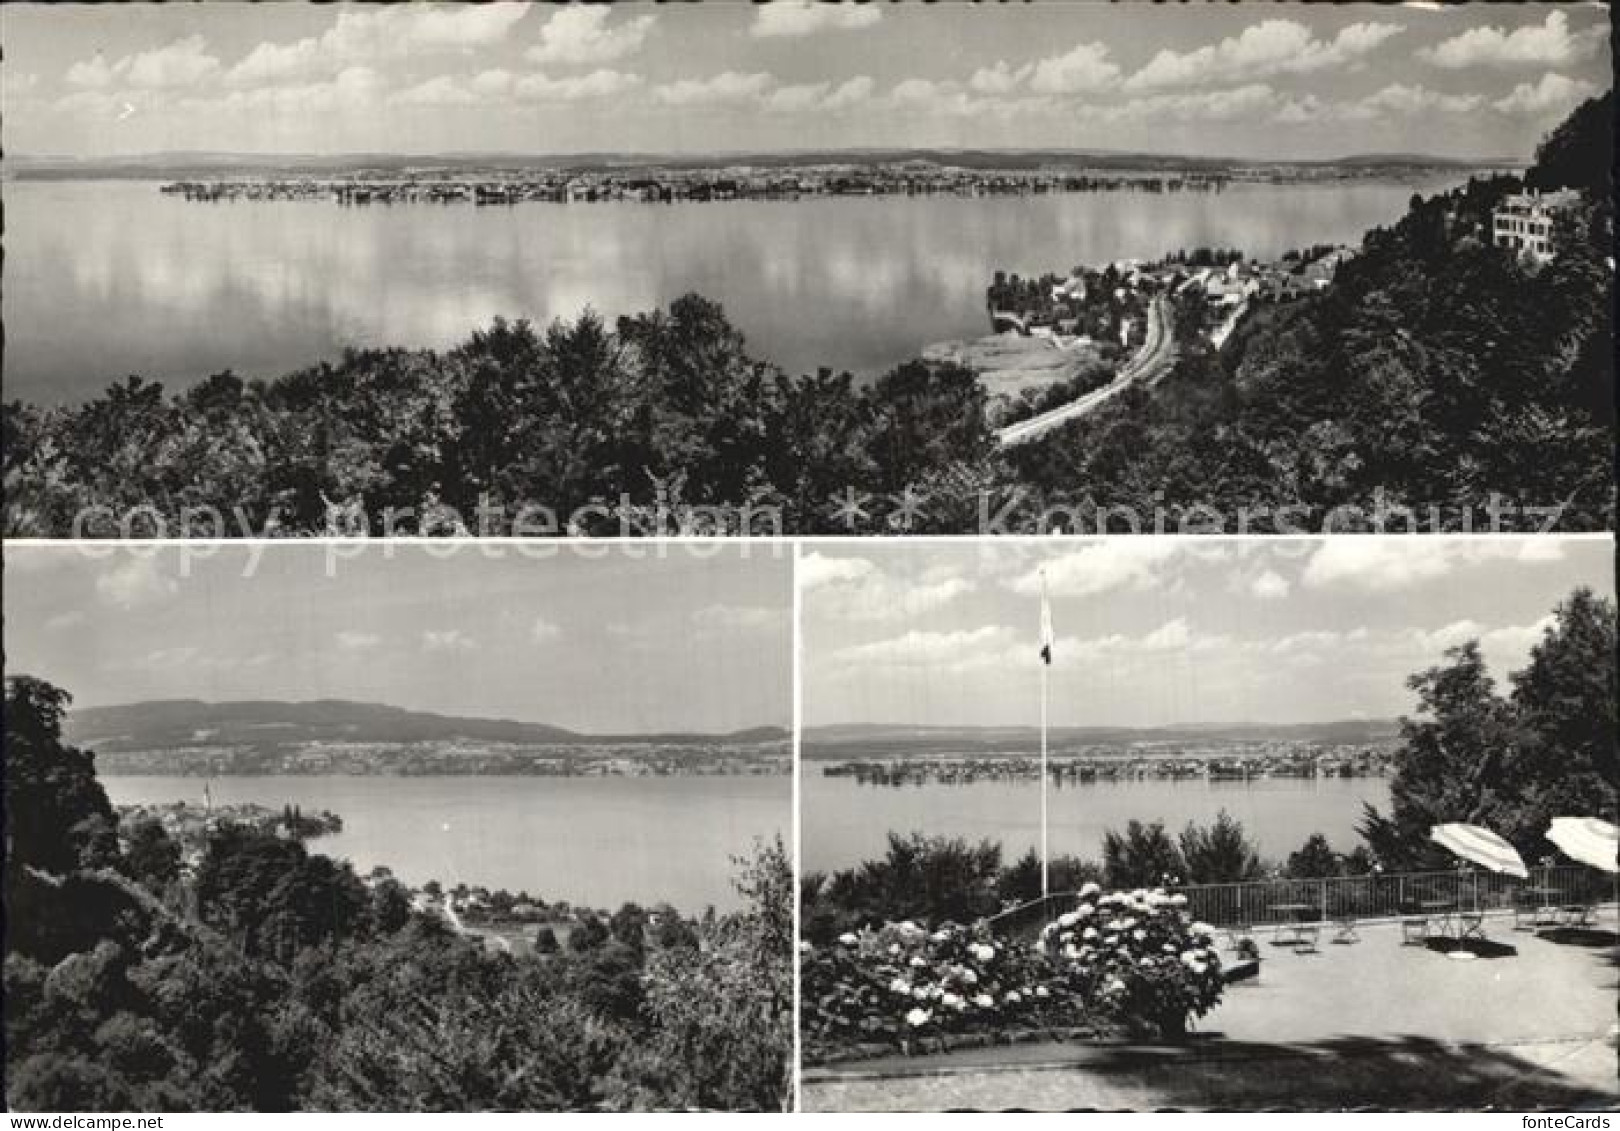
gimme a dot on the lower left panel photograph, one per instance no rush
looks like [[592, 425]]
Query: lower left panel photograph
[[396, 827]]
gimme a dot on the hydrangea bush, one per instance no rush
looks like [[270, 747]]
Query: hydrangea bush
[[903, 981], [1137, 956], [1120, 957]]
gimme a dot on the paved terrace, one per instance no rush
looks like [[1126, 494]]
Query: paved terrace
[[1528, 1022]]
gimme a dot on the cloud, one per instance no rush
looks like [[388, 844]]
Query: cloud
[[1000, 79], [816, 569], [441, 90], [945, 650], [92, 74], [819, 96], [353, 88], [806, 17], [372, 33], [171, 657], [1116, 563], [135, 582], [353, 640], [1399, 98], [854, 589], [1172, 636], [580, 35], [721, 619], [1267, 48], [498, 85], [446, 640], [543, 631], [1378, 565], [1508, 648], [1553, 92], [1241, 102], [729, 88], [1269, 586], [185, 62], [1083, 70], [1548, 44], [70, 619]]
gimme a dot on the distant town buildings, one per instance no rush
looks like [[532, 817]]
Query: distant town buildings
[[1524, 221]]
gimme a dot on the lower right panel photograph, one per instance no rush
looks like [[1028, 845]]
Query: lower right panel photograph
[[1194, 823]]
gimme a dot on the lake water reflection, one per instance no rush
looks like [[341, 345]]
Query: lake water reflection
[[103, 279], [592, 841]]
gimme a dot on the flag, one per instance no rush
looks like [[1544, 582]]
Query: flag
[[1046, 624]]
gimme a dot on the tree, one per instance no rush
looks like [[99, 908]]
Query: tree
[[1144, 856], [588, 934], [1509, 764], [722, 1013], [1315, 859], [58, 817], [628, 925], [390, 905], [545, 940], [152, 858], [1219, 854], [1579, 153]]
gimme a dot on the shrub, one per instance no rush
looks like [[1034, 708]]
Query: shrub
[[1136, 956]]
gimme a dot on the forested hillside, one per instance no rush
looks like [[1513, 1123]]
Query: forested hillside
[[1438, 369], [266, 977]]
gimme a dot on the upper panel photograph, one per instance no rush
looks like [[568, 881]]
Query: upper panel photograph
[[806, 268]]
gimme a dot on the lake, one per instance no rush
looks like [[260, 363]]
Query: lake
[[107, 278], [591, 841], [844, 823]]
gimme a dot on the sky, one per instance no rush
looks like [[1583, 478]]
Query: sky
[[605, 643], [1251, 80], [1160, 631]]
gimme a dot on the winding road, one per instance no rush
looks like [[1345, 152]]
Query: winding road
[[1148, 364]]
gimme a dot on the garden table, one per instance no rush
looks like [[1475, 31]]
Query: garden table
[[1296, 915]]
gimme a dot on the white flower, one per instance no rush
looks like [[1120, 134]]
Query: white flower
[[1068, 919], [1203, 929], [1042, 991], [916, 960], [900, 986], [1089, 933], [950, 1001], [917, 1018], [1089, 890], [942, 935], [1128, 924], [894, 948], [984, 952], [921, 993], [1138, 935], [984, 1001], [970, 977], [1116, 986], [1014, 997], [847, 939], [1085, 910], [1178, 900]]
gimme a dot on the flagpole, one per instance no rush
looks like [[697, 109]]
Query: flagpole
[[1045, 889], [1046, 657]]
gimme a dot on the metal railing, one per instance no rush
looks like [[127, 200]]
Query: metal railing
[[1373, 896]]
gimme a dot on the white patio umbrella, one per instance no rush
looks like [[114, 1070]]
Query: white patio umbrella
[[1587, 839], [1482, 847]]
